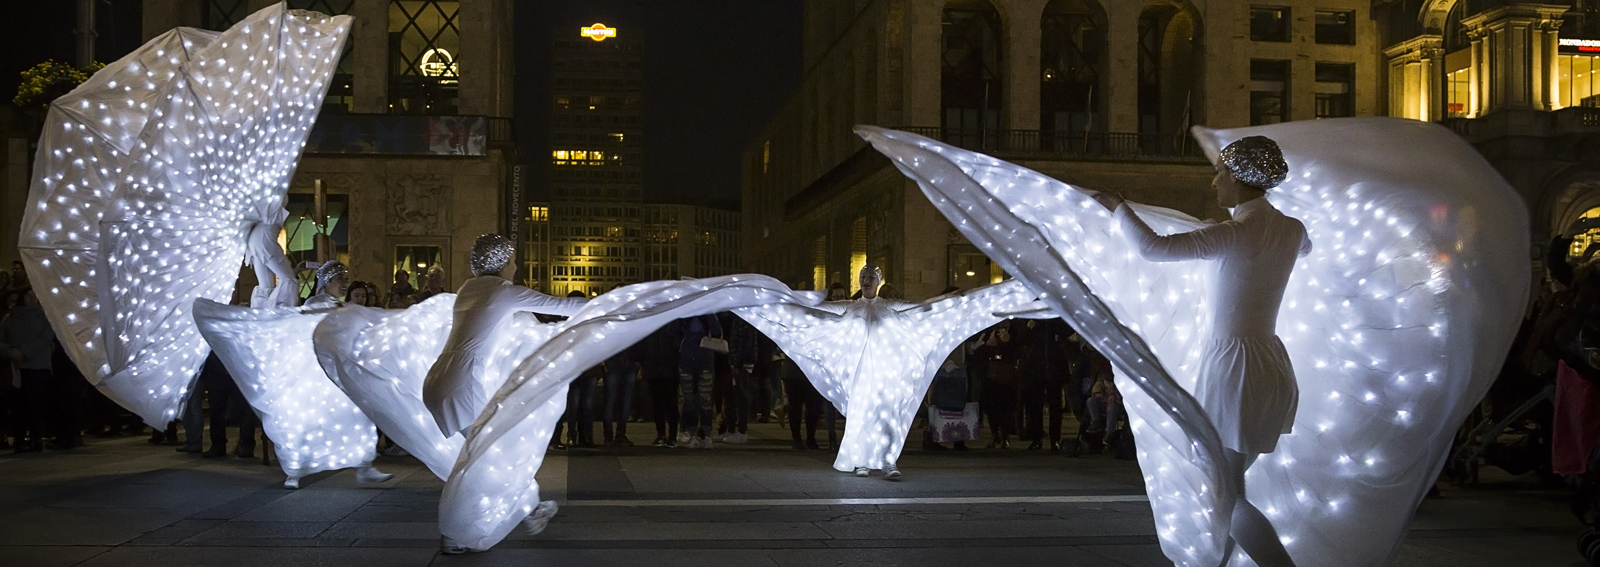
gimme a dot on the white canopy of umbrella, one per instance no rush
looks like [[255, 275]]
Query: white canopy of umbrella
[[149, 179]]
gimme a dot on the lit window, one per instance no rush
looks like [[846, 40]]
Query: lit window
[[1269, 23]]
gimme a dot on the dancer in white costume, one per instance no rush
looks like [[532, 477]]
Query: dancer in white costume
[[492, 487], [460, 383], [380, 358], [313, 425], [874, 358], [154, 178], [1395, 323], [1246, 382]]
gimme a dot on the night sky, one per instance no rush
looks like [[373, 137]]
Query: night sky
[[715, 71]]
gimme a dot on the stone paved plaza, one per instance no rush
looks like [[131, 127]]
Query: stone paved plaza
[[122, 502]]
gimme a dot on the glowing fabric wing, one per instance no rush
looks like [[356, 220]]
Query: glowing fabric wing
[[492, 486], [148, 178], [1396, 322], [313, 425], [874, 359], [380, 358]]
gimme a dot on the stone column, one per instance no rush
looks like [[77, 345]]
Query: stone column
[[924, 66], [1022, 44], [1122, 67], [1415, 66], [1477, 94], [160, 16], [15, 187], [1517, 56], [369, 56], [1552, 61]]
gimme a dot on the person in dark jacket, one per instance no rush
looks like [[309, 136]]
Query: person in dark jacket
[[27, 341], [1039, 369], [736, 393], [696, 377], [805, 403], [660, 362], [999, 401], [621, 371]]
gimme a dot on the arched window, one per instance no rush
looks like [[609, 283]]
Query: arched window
[[1072, 55], [1587, 230], [972, 75], [1169, 74]]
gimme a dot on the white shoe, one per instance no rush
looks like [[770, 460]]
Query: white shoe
[[540, 518], [371, 475], [691, 443], [738, 438], [891, 472], [705, 442], [450, 547], [863, 472], [292, 483], [684, 438]]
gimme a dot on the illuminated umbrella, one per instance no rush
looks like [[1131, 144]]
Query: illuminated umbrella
[[148, 180], [1396, 322]]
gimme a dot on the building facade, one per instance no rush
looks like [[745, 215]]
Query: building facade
[[596, 231], [594, 240], [687, 241], [1517, 80], [412, 151], [1099, 94]]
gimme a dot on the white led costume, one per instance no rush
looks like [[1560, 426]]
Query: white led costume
[[148, 180], [380, 358], [472, 366], [313, 425], [492, 487], [874, 358], [1396, 322]]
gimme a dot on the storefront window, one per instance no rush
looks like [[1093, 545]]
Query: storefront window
[[1578, 85]]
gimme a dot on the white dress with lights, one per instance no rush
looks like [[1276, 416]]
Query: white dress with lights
[[1246, 382], [148, 180], [874, 358], [1395, 323], [313, 425], [380, 358], [492, 487], [472, 365]]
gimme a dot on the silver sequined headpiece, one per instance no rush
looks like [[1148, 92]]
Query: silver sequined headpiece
[[490, 254], [328, 271], [1255, 161], [873, 269]]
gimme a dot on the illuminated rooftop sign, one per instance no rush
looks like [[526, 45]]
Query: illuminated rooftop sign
[[598, 32]]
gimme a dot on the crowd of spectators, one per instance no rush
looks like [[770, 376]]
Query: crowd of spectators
[[699, 381]]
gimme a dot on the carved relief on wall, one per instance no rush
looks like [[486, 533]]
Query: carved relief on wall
[[417, 204]]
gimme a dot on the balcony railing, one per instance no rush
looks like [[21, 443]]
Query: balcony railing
[[1573, 120], [1046, 144], [407, 135]]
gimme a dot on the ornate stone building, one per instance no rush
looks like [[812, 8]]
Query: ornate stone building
[[1099, 94], [1518, 80], [413, 146]]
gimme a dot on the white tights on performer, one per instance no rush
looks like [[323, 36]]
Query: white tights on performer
[[1248, 527]]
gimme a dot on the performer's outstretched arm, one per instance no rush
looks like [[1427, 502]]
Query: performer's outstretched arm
[[529, 300], [1209, 242]]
